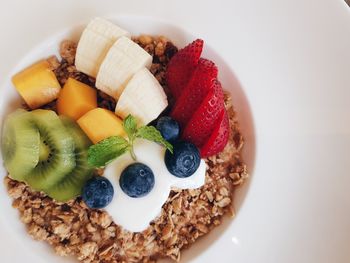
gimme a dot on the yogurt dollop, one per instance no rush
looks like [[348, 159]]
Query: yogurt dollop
[[135, 214]]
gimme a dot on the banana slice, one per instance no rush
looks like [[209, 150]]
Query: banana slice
[[122, 61], [96, 40], [143, 97]]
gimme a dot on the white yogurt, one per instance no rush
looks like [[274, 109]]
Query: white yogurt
[[135, 214]]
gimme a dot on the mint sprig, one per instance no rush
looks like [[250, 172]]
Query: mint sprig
[[130, 126], [104, 152], [107, 150], [152, 134]]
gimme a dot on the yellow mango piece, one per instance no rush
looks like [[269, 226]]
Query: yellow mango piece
[[99, 124], [37, 84], [76, 99]]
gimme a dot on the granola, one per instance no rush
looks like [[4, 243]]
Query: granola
[[90, 235]]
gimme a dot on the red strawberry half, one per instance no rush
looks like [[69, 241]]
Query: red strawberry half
[[181, 67], [219, 137], [202, 123], [195, 91]]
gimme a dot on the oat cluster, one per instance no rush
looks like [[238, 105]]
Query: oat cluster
[[91, 235]]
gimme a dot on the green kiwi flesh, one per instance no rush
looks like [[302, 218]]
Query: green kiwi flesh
[[72, 184], [20, 144], [56, 151], [47, 152]]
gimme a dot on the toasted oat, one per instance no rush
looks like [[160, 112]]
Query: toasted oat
[[61, 230], [224, 202], [91, 235], [87, 250], [54, 62], [16, 192]]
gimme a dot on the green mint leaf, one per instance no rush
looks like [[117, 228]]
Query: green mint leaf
[[152, 134], [104, 152], [130, 126]]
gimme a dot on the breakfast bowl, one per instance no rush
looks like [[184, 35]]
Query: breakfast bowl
[[137, 26]]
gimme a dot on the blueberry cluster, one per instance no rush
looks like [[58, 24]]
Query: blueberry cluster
[[137, 179], [185, 159]]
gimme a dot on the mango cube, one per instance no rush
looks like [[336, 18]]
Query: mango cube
[[99, 124], [37, 84], [76, 99]]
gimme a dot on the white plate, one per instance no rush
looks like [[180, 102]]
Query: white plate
[[292, 59]]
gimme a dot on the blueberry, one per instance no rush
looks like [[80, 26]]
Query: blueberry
[[169, 128], [98, 192], [137, 180], [184, 161]]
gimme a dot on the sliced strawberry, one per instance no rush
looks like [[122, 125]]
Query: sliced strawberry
[[195, 91], [219, 137], [181, 67], [202, 123]]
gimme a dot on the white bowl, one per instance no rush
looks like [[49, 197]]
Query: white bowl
[[136, 25]]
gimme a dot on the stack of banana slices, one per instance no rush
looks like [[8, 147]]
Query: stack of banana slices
[[121, 68]]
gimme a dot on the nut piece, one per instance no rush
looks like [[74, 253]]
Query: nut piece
[[67, 50], [26, 217], [224, 202], [145, 40]]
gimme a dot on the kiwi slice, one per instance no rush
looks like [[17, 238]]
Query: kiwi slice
[[72, 184], [20, 144], [56, 151]]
